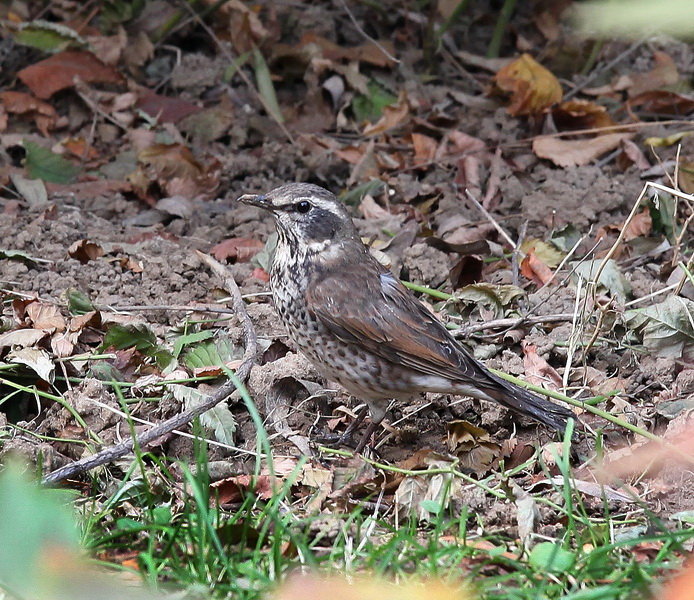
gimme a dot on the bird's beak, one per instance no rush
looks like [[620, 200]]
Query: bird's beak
[[259, 200]]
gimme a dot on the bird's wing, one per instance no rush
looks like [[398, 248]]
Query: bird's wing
[[367, 306]]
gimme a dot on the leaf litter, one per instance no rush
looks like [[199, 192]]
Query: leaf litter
[[402, 147]]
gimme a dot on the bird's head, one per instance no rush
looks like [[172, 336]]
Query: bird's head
[[306, 215]]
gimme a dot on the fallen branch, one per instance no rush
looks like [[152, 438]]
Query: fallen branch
[[108, 455], [510, 323]]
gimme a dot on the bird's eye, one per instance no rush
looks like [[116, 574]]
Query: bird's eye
[[303, 207]]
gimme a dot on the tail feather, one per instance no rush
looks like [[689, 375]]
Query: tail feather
[[526, 403]]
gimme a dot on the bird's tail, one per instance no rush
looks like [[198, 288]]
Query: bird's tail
[[524, 402]]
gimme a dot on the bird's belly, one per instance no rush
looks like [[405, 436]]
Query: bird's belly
[[361, 373]]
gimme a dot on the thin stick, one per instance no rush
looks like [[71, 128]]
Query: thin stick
[[108, 455], [366, 35], [491, 219], [510, 323]]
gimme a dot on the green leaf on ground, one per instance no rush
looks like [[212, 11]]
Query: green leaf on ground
[[41, 163], [370, 108], [611, 277], [667, 327], [219, 418], [551, 557]]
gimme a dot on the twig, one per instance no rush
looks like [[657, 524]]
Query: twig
[[108, 455], [581, 86], [492, 220], [510, 323], [366, 35]]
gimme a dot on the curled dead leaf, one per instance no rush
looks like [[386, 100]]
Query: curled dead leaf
[[533, 268], [84, 251], [581, 114], [394, 115], [533, 88]]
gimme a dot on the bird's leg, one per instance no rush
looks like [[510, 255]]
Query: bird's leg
[[347, 435], [368, 433]]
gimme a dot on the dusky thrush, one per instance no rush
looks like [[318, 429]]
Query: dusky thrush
[[359, 325]]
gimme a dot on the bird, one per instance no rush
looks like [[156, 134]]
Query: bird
[[360, 326]]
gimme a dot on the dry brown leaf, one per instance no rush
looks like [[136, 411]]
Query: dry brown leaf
[[639, 226], [24, 338], [533, 88], [537, 370], [576, 153], [663, 102], [370, 209], [59, 72], [534, 269], [45, 316], [236, 249], [632, 154], [174, 168], [581, 114], [84, 251], [664, 73], [166, 109], [424, 148], [393, 116], [20, 103]]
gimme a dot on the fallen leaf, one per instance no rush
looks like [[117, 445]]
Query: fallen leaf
[[45, 316], [575, 153], [370, 209], [533, 268], [424, 148], [36, 359], [20, 103], [537, 370], [667, 327], [164, 108], [664, 73], [581, 114], [84, 251], [59, 71], [547, 253], [393, 116], [176, 171], [533, 88], [24, 338], [236, 249], [640, 225], [41, 163], [632, 154], [663, 102], [611, 278], [369, 52]]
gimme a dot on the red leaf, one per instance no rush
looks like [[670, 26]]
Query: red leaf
[[59, 71], [166, 109]]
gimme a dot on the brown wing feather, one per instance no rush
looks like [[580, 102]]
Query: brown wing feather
[[382, 315]]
